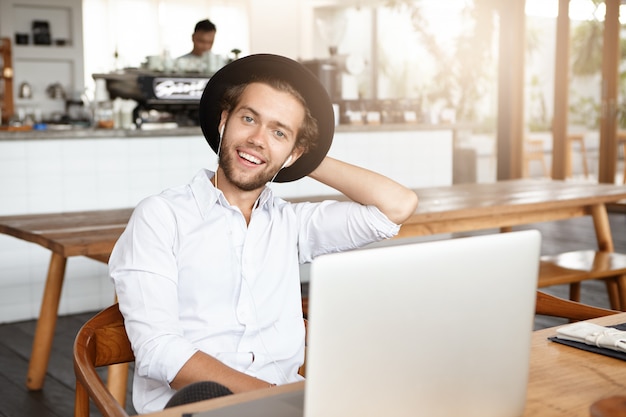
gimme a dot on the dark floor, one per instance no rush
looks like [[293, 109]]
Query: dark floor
[[57, 397]]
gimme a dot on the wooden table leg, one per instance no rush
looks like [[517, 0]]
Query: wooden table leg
[[44, 333], [602, 227]]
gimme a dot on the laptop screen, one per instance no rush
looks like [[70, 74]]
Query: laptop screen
[[436, 329]]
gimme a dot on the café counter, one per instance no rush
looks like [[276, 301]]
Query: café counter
[[89, 169], [68, 132]]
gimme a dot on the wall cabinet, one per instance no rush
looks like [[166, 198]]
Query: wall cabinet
[[47, 38]]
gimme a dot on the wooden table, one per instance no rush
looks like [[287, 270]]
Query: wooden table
[[470, 207], [87, 233], [447, 209], [563, 381]]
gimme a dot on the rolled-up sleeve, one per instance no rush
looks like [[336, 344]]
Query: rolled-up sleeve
[[143, 268], [333, 226]]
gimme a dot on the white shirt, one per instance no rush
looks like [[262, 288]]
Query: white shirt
[[191, 275]]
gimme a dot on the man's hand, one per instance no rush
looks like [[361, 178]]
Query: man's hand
[[203, 367]]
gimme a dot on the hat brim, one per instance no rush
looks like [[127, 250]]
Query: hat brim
[[301, 78]]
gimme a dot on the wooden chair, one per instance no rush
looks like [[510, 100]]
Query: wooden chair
[[621, 139], [574, 267], [533, 151], [580, 139], [103, 341], [549, 305]]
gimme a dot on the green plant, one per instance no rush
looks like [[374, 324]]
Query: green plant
[[584, 111], [586, 60], [538, 114]]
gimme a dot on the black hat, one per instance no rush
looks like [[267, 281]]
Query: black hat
[[301, 78]]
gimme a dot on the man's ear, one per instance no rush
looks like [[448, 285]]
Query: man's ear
[[293, 157], [222, 124]]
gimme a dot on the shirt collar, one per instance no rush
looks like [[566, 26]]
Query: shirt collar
[[266, 198], [206, 195]]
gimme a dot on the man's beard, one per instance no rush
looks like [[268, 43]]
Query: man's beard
[[226, 164]]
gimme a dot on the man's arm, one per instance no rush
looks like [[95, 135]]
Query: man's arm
[[203, 367], [366, 187]]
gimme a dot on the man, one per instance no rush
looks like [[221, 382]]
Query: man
[[203, 37], [207, 275]]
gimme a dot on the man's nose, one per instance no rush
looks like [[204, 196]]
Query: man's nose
[[258, 136]]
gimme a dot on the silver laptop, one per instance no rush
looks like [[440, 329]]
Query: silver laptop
[[428, 329], [424, 329]]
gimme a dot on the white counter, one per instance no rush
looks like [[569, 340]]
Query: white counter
[[44, 174]]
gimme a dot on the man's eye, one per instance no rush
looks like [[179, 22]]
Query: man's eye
[[280, 133], [248, 119]]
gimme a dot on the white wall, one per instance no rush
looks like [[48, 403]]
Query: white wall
[[275, 27]]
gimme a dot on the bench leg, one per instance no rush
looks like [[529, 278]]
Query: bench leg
[[615, 286], [44, 333], [613, 289], [620, 289], [574, 291]]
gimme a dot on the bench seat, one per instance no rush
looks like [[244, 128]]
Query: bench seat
[[574, 267]]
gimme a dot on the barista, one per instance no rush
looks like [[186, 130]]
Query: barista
[[203, 37]]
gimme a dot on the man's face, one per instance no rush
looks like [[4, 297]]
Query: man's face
[[259, 135], [202, 42]]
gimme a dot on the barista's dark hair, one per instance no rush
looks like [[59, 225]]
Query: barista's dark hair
[[308, 132], [205, 26]]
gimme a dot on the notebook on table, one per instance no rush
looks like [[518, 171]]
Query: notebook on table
[[425, 329]]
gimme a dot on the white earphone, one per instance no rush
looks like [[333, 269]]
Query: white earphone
[[222, 130], [289, 158]]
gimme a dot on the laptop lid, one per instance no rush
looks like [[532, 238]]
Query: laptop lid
[[425, 329]]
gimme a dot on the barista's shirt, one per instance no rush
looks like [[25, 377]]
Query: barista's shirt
[[191, 275], [190, 56], [205, 63]]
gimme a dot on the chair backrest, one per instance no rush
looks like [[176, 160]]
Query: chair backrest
[[102, 341], [549, 305]]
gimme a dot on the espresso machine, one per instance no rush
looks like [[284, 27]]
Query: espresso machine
[[328, 71], [163, 99]]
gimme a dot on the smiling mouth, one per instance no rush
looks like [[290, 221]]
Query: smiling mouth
[[249, 158]]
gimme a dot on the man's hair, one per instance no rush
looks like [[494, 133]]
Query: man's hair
[[307, 133], [205, 26]]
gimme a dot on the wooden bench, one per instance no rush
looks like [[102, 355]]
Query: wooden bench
[[580, 139], [574, 267]]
